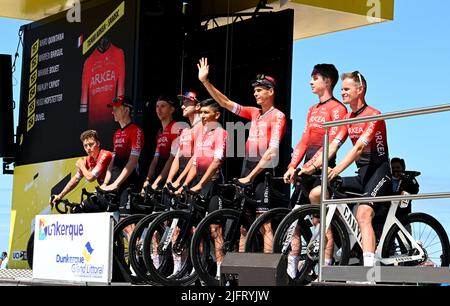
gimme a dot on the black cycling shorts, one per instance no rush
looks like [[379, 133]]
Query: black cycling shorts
[[372, 181], [260, 188], [131, 181]]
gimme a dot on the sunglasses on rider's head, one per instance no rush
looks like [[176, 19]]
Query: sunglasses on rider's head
[[121, 100], [264, 80], [357, 74]]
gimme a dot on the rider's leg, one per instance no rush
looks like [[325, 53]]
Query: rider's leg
[[267, 232], [293, 256], [216, 235], [364, 216], [314, 197], [242, 238], [176, 257], [262, 196]]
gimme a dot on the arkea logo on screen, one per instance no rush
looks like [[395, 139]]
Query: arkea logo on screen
[[59, 230]]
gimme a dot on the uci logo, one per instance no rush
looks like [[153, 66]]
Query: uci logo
[[19, 255]]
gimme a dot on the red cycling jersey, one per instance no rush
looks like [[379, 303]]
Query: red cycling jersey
[[311, 142], [266, 130], [128, 141], [187, 140], [97, 166], [165, 141], [372, 134], [209, 144], [103, 79]]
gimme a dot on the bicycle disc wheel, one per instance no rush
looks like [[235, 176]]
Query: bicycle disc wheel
[[255, 238], [204, 252], [122, 233], [427, 232], [136, 248], [160, 241], [301, 220]]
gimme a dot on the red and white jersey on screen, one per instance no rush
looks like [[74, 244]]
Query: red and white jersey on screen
[[103, 79]]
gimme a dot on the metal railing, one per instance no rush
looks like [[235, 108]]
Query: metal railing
[[407, 272]]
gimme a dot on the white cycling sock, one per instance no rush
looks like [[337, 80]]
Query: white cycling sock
[[176, 263], [328, 261], [155, 259], [369, 259], [218, 269], [292, 265]]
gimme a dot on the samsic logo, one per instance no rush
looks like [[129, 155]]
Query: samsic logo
[[59, 230]]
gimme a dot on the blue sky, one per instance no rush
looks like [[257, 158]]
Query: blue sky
[[406, 63]]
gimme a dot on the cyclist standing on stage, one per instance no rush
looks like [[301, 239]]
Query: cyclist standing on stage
[[93, 167], [324, 78], [182, 162], [165, 143], [268, 125], [128, 142], [370, 152]]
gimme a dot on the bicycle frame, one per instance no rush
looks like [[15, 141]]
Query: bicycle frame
[[355, 235]]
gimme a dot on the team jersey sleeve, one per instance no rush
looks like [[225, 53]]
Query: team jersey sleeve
[[300, 148], [338, 134], [370, 131], [246, 112], [220, 144], [79, 175], [278, 130], [157, 152], [102, 163], [137, 142], [175, 133]]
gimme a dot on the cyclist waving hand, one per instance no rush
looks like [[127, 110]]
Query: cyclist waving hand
[[267, 128]]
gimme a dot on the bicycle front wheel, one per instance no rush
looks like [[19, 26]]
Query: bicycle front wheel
[[122, 233], [136, 248], [300, 228], [166, 249], [217, 234], [255, 236], [427, 232]]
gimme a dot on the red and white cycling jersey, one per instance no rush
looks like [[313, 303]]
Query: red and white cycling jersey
[[97, 166], [128, 141], [103, 79], [187, 141], [209, 144], [310, 145], [372, 134], [165, 141], [266, 130]]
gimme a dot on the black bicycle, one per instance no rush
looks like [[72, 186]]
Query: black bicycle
[[127, 252], [255, 236], [137, 237], [221, 231], [175, 229]]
